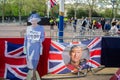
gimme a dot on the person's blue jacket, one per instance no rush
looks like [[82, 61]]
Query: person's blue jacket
[[107, 27]]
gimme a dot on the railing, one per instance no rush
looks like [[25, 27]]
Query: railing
[[69, 34], [11, 33]]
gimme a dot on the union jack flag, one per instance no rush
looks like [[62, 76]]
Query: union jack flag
[[56, 64], [116, 76], [94, 47], [12, 61], [53, 3]]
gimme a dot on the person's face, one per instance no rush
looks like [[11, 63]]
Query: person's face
[[76, 54], [34, 21]]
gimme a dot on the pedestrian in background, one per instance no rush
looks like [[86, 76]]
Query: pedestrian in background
[[75, 24], [52, 23], [102, 21], [107, 27]]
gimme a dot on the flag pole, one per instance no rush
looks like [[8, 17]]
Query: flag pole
[[48, 8], [61, 20]]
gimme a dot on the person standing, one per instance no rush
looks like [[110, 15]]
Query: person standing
[[83, 26], [52, 23], [75, 24], [107, 27], [102, 21], [33, 43], [114, 29]]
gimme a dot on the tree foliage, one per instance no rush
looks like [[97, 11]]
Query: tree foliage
[[54, 12], [83, 8], [13, 7], [81, 13]]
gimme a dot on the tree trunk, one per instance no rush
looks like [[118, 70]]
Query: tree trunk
[[90, 13], [3, 12], [116, 10]]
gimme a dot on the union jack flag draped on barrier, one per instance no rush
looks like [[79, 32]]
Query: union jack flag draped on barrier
[[94, 47], [56, 63], [12, 61]]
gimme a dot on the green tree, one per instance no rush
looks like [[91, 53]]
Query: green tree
[[70, 13], [54, 12], [26, 6], [107, 12], [21, 7], [82, 13]]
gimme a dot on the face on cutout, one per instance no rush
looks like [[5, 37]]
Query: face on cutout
[[76, 54], [34, 21]]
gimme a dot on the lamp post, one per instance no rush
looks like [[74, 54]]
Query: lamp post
[[61, 20], [113, 11], [48, 8]]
